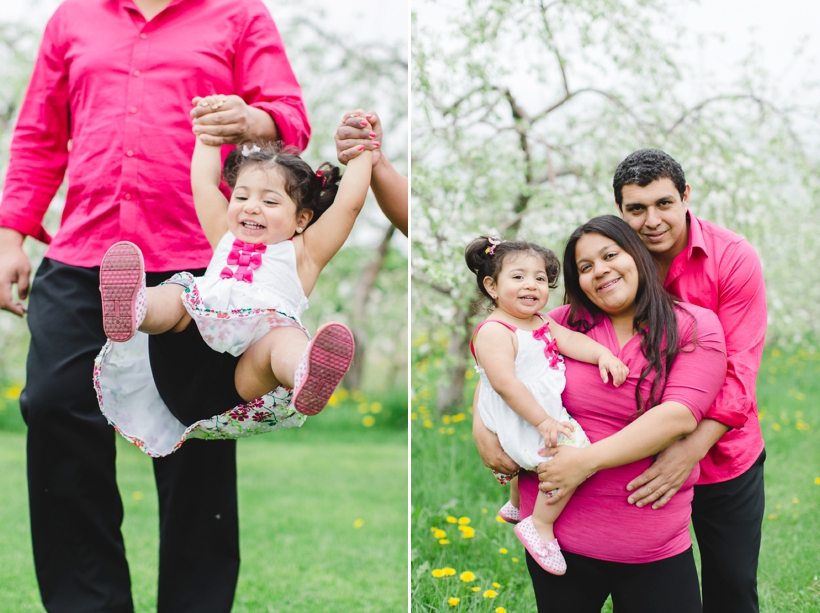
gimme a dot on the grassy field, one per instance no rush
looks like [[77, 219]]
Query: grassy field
[[455, 499], [349, 554]]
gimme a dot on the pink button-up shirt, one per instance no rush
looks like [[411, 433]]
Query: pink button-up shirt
[[109, 101], [597, 521], [720, 271]]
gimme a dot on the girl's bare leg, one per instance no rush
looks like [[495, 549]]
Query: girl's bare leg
[[269, 362], [165, 310], [515, 499], [544, 515]]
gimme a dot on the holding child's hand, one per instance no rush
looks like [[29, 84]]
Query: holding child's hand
[[357, 132], [609, 364], [550, 428]]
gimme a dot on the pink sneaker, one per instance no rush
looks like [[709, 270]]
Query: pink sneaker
[[509, 513], [547, 555], [326, 360], [122, 288]]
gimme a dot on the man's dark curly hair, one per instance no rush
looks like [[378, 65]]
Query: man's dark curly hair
[[644, 166]]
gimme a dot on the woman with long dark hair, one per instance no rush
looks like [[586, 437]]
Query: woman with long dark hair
[[676, 358]]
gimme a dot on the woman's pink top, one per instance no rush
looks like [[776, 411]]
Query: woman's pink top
[[598, 522]]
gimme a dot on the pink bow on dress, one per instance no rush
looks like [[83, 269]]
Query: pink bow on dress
[[551, 347], [247, 257]]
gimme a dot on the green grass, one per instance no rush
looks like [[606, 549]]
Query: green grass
[[300, 548], [449, 480]]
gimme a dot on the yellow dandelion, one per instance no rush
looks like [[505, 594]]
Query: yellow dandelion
[[413, 416], [459, 417], [362, 408], [469, 374], [490, 594], [334, 400], [776, 353], [438, 573], [13, 392], [368, 421], [449, 571], [466, 576], [467, 532], [375, 407], [450, 430], [795, 500], [503, 551], [484, 511], [500, 610], [453, 601], [341, 393], [772, 516], [496, 585], [476, 589], [444, 542], [463, 521], [515, 560], [433, 529], [451, 520], [136, 495], [442, 430], [777, 506], [439, 534], [776, 427], [428, 423], [817, 480], [445, 419], [500, 519], [358, 523]]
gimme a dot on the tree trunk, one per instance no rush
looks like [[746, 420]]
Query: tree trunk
[[358, 324]]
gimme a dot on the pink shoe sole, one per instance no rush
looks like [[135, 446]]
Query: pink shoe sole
[[330, 354], [546, 554], [509, 513], [121, 274]]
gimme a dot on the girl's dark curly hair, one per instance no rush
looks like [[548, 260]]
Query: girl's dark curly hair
[[313, 191], [486, 263]]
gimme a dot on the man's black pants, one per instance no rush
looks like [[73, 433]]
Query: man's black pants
[[75, 506]]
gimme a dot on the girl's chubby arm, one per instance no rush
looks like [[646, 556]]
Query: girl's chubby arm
[[495, 353], [582, 348], [210, 203], [321, 241]]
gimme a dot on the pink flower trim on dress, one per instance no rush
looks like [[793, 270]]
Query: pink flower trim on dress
[[247, 257], [551, 347]]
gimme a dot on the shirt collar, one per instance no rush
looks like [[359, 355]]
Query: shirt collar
[[696, 240]]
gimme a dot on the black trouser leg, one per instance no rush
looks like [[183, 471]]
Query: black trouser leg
[[75, 506], [199, 528], [727, 518], [669, 585]]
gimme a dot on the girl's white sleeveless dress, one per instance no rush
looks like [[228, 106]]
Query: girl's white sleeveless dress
[[540, 367], [231, 314]]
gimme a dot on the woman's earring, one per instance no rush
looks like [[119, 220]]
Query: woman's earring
[[299, 230]]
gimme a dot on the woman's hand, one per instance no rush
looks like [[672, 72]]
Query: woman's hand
[[357, 132], [608, 363], [550, 428], [220, 120], [567, 470]]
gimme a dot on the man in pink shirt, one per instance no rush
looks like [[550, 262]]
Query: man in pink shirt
[[109, 102], [706, 265]]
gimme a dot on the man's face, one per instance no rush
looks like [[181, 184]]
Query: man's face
[[658, 214]]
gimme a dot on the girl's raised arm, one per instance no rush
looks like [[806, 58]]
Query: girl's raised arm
[[325, 237], [210, 203], [582, 348]]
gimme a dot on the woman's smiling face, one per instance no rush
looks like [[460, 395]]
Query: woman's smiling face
[[607, 274]]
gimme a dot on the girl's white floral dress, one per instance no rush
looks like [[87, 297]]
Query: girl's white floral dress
[[246, 291]]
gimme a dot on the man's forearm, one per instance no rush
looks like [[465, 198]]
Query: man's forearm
[[262, 127]]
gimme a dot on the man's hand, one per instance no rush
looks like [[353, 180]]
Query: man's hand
[[15, 267], [658, 483], [220, 120], [490, 449], [357, 132]]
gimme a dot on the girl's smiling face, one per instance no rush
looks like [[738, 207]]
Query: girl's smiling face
[[522, 288], [260, 210]]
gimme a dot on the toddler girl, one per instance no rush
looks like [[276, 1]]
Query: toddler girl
[[518, 357], [282, 225]]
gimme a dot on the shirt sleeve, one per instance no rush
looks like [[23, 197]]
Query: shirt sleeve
[[39, 147], [265, 78], [742, 313], [699, 368]]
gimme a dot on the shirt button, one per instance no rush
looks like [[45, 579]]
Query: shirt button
[[143, 36], [137, 73], [129, 153], [133, 109], [128, 196]]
